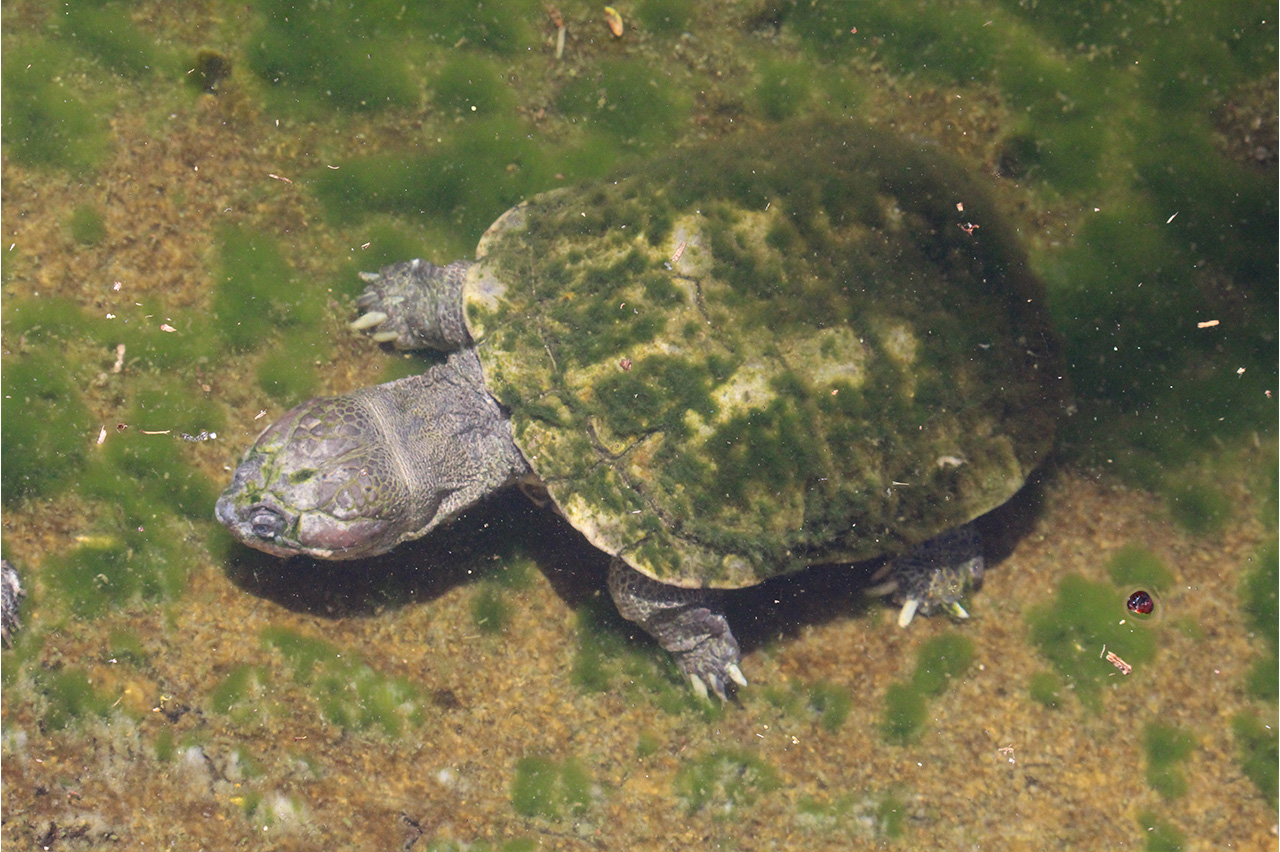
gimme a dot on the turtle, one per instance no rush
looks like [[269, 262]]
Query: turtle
[[812, 344]]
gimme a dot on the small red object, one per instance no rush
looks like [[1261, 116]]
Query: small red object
[[1140, 602]]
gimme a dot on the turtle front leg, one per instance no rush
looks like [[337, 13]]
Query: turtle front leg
[[934, 575], [414, 305], [684, 623]]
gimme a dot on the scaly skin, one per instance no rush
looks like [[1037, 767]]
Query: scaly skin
[[353, 476], [685, 623]]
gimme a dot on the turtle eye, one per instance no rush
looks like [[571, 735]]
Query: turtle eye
[[266, 523]]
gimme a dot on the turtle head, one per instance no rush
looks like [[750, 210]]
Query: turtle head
[[318, 482]]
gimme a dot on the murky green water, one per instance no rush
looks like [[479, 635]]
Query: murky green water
[[188, 193]]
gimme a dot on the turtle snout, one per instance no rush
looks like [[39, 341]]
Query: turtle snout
[[225, 509], [257, 525]]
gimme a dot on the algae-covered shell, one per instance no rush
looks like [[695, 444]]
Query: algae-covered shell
[[777, 352]]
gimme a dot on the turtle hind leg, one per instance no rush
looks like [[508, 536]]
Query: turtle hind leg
[[934, 575], [685, 622]]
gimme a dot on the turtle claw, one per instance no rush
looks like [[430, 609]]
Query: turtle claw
[[909, 607], [933, 576], [710, 676], [717, 683], [708, 657], [368, 320]]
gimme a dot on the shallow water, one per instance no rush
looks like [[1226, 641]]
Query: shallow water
[[201, 187]]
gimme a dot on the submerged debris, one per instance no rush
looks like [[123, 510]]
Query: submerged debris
[[13, 594]]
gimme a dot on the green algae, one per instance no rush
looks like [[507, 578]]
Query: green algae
[[627, 100], [1258, 751], [165, 746], [1134, 565], [519, 844], [1072, 630], [182, 344], [502, 27], [256, 292], [647, 744], [905, 712], [832, 703], [47, 121], [209, 69], [851, 815], [464, 183], [939, 661], [598, 646], [69, 697], [549, 789], [515, 573], [782, 89], [724, 781], [1161, 835], [827, 703], [490, 609], [1045, 688], [1200, 509], [46, 430], [663, 17], [107, 32], [365, 57], [87, 343], [379, 241], [149, 476], [238, 692], [1167, 748], [1258, 599], [86, 225], [125, 646], [344, 690], [331, 53], [288, 372], [471, 85], [607, 659], [126, 562], [891, 817]]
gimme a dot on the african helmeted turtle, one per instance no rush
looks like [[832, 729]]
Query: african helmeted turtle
[[818, 345]]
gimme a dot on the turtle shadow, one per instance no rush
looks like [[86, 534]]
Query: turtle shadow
[[509, 525], [783, 607], [476, 543]]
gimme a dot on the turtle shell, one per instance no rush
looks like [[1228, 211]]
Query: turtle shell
[[742, 359]]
